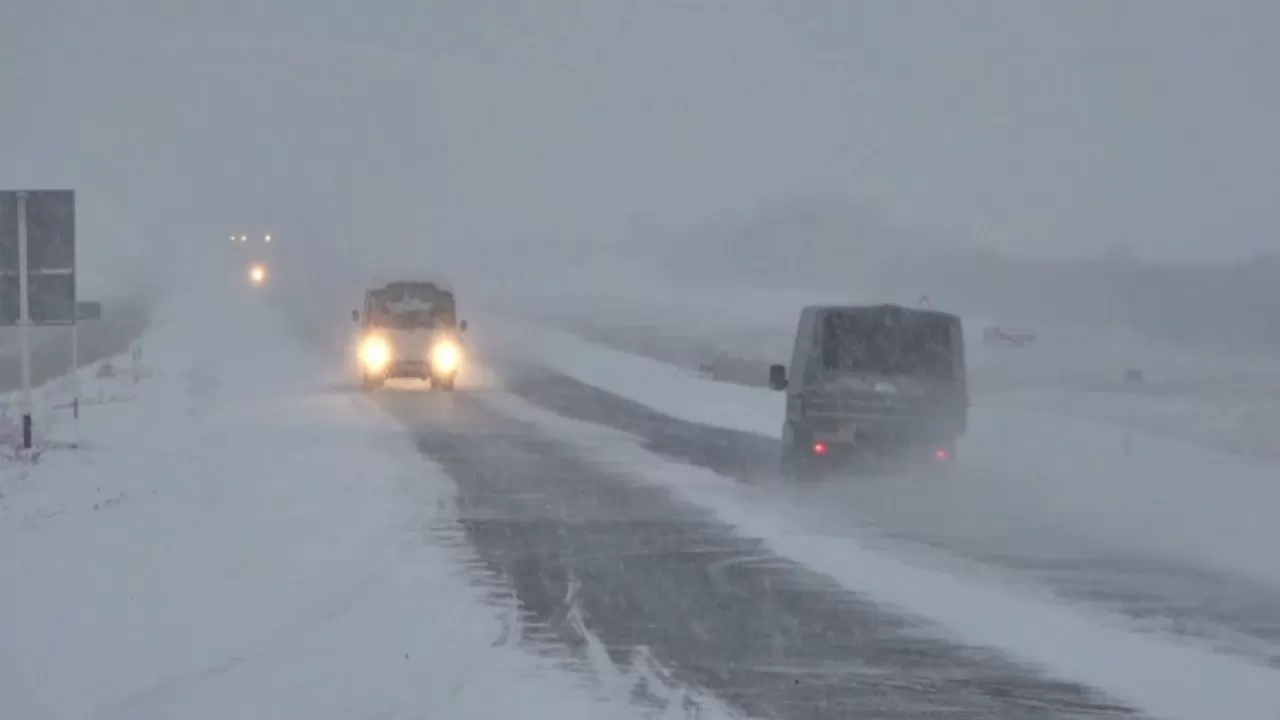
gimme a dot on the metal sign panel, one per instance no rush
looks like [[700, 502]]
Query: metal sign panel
[[51, 297], [51, 257], [9, 299], [9, 233], [89, 310], [51, 231]]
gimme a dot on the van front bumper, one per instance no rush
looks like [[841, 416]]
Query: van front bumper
[[412, 369]]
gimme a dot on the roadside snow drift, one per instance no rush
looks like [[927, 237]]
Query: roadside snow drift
[[236, 541]]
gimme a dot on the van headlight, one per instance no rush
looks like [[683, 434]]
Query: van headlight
[[445, 356], [375, 353]]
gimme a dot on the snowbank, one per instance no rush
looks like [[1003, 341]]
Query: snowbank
[[669, 389]]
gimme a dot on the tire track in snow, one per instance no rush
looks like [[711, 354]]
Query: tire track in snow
[[636, 582], [1224, 612]]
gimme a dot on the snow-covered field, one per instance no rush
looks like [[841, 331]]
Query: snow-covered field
[[235, 538], [1032, 482]]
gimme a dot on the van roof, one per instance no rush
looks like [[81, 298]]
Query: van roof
[[381, 280], [882, 306]]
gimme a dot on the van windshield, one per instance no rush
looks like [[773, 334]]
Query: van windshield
[[888, 341], [411, 305]]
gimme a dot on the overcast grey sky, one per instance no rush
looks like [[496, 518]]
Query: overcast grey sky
[[1041, 127]]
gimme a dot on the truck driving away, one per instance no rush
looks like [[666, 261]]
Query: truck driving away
[[878, 382], [409, 329]]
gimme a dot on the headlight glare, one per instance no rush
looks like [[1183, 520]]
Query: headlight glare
[[445, 357], [375, 353]]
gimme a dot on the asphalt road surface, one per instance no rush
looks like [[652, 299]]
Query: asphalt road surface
[[588, 551]]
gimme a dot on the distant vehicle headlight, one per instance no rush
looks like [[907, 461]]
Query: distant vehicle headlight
[[375, 353], [445, 356], [257, 274]]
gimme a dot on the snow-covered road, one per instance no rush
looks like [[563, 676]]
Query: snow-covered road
[[580, 532], [239, 539], [1163, 556], [606, 563]]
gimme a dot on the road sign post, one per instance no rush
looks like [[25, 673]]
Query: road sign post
[[37, 273], [75, 377], [24, 321], [84, 311]]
